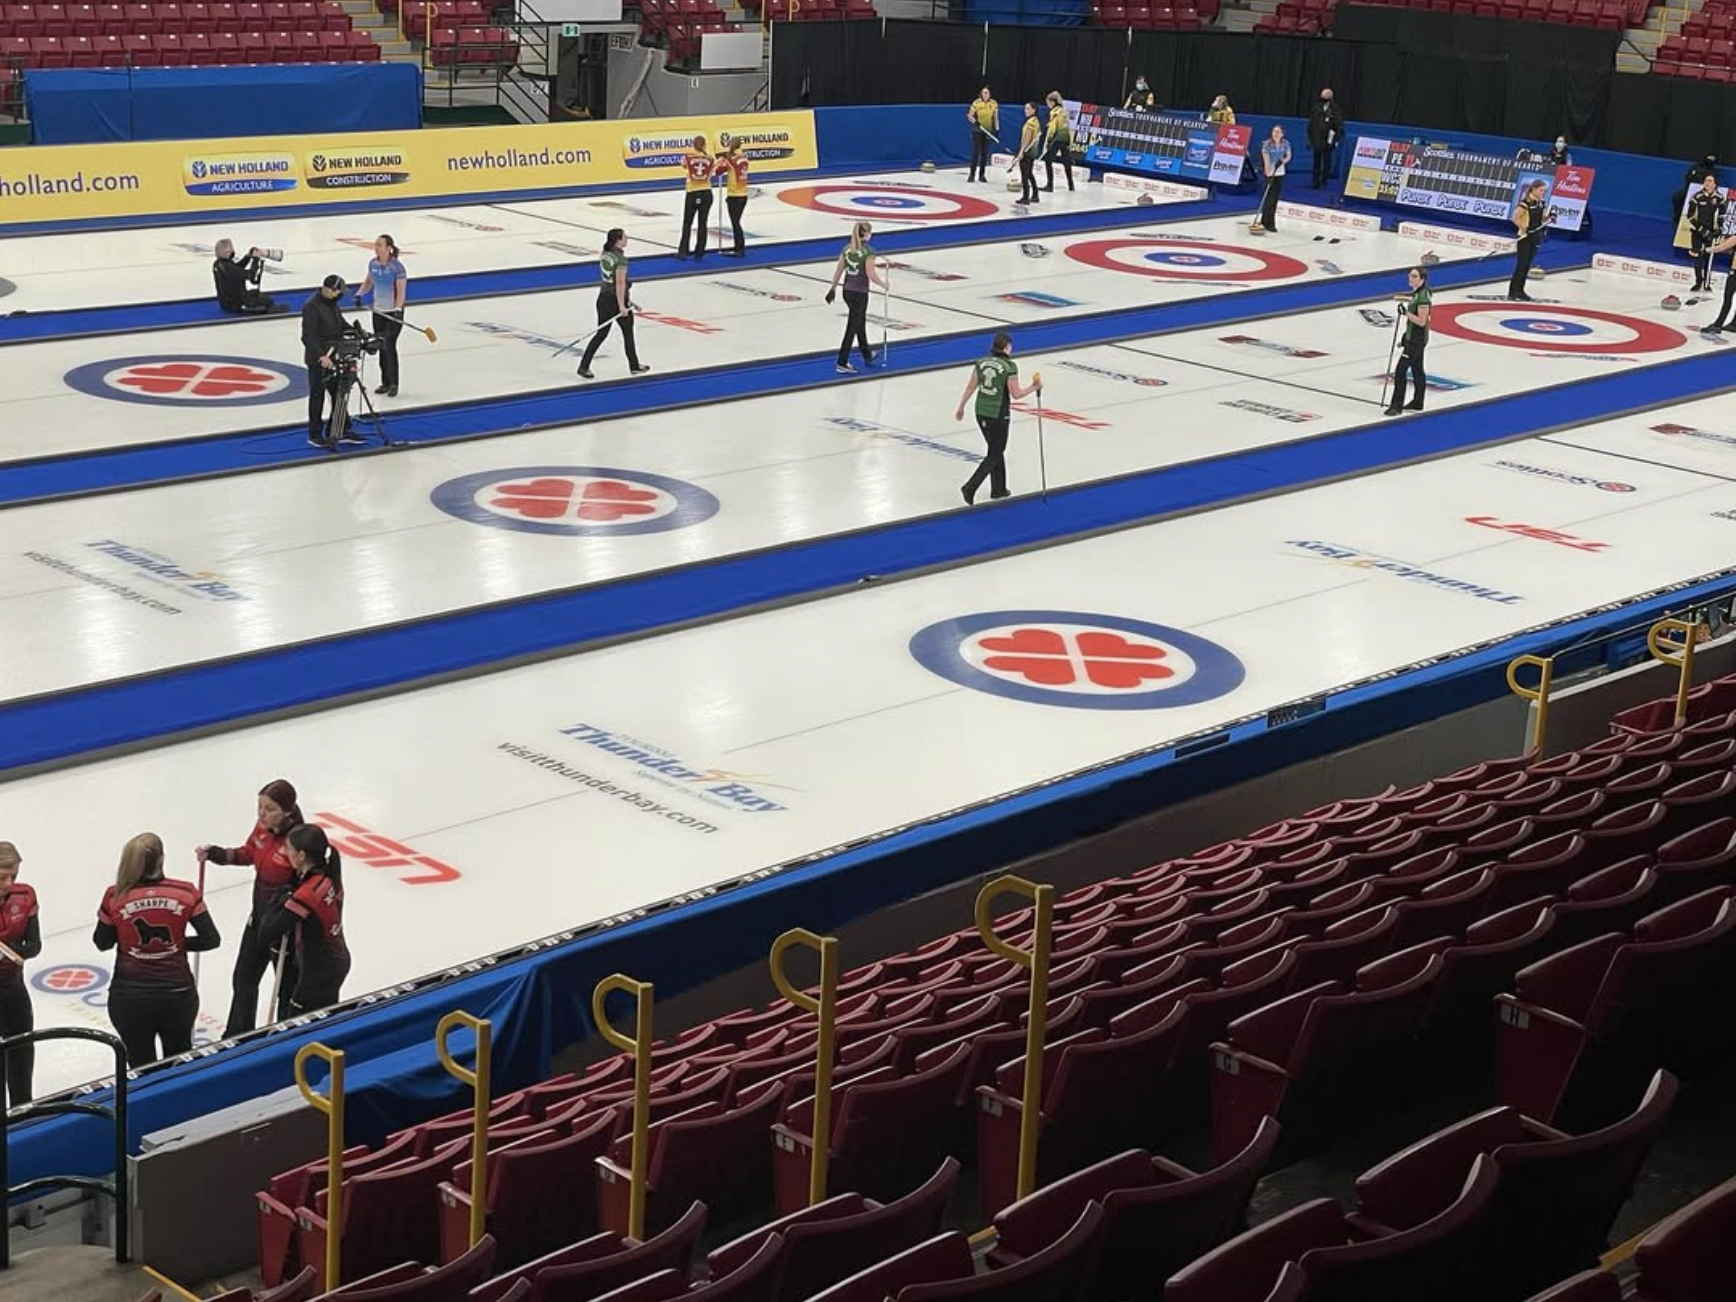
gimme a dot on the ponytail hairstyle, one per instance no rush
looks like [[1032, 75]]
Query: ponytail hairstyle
[[1054, 98], [322, 856], [392, 245], [281, 792], [141, 861], [859, 234], [1003, 341], [614, 237]]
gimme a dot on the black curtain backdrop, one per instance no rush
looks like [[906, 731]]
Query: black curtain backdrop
[[1478, 38], [1438, 88]]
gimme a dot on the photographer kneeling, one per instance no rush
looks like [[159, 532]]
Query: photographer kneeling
[[237, 280], [322, 326]]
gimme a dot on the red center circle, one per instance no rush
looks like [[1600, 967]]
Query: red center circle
[[969, 207], [1649, 337], [1273, 266]]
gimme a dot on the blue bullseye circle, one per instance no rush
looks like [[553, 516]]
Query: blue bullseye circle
[[885, 201], [1546, 325], [1164, 257]]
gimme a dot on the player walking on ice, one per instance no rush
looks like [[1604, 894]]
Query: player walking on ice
[[994, 380], [856, 268], [614, 304]]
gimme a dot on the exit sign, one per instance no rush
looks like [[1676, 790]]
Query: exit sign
[[569, 29]]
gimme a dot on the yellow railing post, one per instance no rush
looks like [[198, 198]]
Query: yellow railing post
[[1036, 960], [639, 1045], [825, 1008], [1683, 658], [1540, 694], [480, 1081], [332, 1104]]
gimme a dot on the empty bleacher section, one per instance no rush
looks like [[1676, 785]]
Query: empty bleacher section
[[179, 35]]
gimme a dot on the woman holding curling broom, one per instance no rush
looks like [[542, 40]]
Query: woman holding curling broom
[[614, 304], [994, 380]]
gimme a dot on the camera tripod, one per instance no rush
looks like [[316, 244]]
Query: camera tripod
[[339, 425]]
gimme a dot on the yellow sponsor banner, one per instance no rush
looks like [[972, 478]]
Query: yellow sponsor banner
[[193, 177]]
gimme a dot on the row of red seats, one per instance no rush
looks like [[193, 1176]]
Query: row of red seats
[[1711, 22], [1162, 18], [177, 51], [444, 14], [1308, 16], [331, 21], [473, 47], [1361, 888], [94, 19], [1699, 72], [1580, 13]]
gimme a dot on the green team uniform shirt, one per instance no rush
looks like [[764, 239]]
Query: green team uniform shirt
[[613, 260], [1413, 332], [992, 399], [1060, 130], [856, 266]]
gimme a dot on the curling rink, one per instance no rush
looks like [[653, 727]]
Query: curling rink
[[826, 722], [48, 273], [431, 530], [477, 814], [240, 375]]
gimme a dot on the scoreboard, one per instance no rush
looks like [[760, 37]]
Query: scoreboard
[[1443, 180], [1160, 144]]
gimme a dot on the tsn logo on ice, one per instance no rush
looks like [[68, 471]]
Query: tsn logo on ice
[[717, 783]]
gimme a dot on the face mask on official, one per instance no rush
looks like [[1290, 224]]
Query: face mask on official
[[1561, 144]]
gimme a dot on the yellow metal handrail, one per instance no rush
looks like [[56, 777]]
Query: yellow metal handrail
[[639, 1045], [332, 1104], [1036, 960], [825, 1008], [480, 1081], [1683, 658], [1545, 666]]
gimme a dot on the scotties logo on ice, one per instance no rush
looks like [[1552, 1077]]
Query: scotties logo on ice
[[462, 223], [909, 438], [757, 293], [1689, 432], [1284, 350], [1563, 477], [357, 169], [1267, 409], [1149, 381], [1357, 559], [741, 791], [238, 173], [505, 331], [924, 272]]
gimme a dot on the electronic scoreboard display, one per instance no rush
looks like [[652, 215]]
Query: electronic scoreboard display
[[1444, 180], [1159, 144]]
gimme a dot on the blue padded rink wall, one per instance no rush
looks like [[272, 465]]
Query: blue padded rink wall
[[80, 106]]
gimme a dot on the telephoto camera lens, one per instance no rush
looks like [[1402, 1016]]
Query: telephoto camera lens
[[271, 255]]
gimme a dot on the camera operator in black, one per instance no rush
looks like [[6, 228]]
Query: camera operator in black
[[322, 325], [237, 281]]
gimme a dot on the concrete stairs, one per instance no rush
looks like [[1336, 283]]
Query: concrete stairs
[[1242, 15], [364, 15], [1661, 24]]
